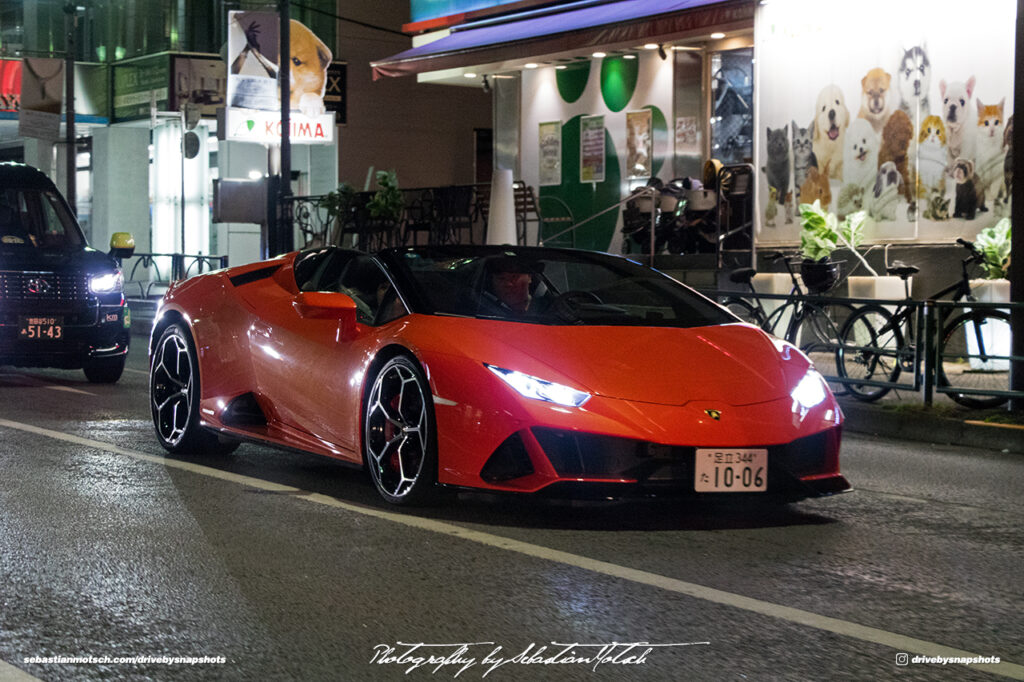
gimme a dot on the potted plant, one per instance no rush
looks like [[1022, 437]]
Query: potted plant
[[339, 205], [387, 204], [994, 243], [820, 235]]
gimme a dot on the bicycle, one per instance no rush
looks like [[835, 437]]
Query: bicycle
[[876, 344], [809, 325]]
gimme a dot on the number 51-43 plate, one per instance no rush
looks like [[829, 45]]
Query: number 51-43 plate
[[731, 470]]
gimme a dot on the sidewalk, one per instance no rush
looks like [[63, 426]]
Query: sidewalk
[[909, 419]]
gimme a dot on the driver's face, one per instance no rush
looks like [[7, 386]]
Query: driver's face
[[513, 289]]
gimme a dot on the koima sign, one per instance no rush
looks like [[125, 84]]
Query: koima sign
[[264, 127]]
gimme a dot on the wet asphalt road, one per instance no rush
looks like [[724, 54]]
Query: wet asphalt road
[[288, 567]]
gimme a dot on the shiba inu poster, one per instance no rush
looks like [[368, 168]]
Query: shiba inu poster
[[253, 66], [898, 100]]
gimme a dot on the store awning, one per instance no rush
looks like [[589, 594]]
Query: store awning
[[564, 28]]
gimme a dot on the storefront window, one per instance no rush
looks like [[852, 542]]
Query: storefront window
[[732, 106]]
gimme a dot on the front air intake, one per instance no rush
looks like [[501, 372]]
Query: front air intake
[[508, 461]]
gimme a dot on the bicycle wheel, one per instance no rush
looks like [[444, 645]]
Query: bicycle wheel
[[743, 309], [870, 345], [974, 355], [818, 337]]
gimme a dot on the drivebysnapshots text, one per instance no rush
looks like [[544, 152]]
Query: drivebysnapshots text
[[457, 658]]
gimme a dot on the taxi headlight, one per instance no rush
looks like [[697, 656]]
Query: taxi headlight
[[110, 283]]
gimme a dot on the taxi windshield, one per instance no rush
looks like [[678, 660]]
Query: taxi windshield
[[36, 219]]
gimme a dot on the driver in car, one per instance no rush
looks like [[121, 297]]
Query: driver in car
[[510, 280]]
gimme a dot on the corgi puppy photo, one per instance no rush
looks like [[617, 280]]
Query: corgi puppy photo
[[874, 98], [931, 155], [860, 154], [958, 117], [913, 80], [831, 118], [310, 59]]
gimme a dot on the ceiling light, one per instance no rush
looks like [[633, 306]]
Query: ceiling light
[[650, 46], [531, 65], [717, 35], [629, 56], [561, 66], [599, 55], [469, 75]]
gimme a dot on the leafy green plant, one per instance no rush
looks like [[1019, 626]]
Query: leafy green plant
[[387, 203], [338, 202], [994, 243], [823, 233]]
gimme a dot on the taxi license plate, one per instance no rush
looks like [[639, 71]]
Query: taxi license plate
[[40, 328], [731, 470]]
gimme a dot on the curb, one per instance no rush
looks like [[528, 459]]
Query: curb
[[927, 427]]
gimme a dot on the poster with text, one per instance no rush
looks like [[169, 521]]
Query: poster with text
[[550, 157], [638, 144], [592, 149], [42, 94]]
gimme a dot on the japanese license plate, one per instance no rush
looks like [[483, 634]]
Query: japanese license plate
[[39, 328], [731, 470]]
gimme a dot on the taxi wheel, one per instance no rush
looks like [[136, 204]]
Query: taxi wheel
[[104, 370], [174, 397]]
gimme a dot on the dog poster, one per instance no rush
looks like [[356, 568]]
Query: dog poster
[[253, 67], [882, 107], [253, 64]]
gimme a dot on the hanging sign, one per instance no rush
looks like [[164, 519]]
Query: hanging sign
[[42, 92]]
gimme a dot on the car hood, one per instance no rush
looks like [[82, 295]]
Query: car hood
[[734, 364], [74, 260]]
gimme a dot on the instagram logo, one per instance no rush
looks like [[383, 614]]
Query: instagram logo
[[902, 659]]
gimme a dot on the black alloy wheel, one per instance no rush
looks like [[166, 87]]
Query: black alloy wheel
[[174, 397]]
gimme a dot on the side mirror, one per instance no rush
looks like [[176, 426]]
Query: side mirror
[[122, 245], [330, 306]]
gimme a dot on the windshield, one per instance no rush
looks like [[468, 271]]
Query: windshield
[[552, 286], [36, 219]]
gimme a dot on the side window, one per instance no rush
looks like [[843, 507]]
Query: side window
[[367, 284]]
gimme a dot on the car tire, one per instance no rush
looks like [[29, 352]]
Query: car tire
[[400, 434], [174, 392], [104, 370]]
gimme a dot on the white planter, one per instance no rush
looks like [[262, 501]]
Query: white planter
[[885, 287], [991, 290], [997, 341], [774, 283], [881, 288]]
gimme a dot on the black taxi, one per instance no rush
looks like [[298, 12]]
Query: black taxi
[[61, 301]]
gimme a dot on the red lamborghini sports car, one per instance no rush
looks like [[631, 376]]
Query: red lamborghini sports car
[[496, 368]]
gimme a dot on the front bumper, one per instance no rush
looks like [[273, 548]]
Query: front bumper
[[90, 331]]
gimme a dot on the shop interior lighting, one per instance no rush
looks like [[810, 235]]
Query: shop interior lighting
[[255, 174], [651, 46], [561, 67], [599, 55], [629, 55], [531, 65], [717, 35], [469, 75]]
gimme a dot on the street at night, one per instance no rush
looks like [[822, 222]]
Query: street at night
[[288, 566]]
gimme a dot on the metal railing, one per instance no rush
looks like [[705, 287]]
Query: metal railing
[[924, 368], [176, 265]]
